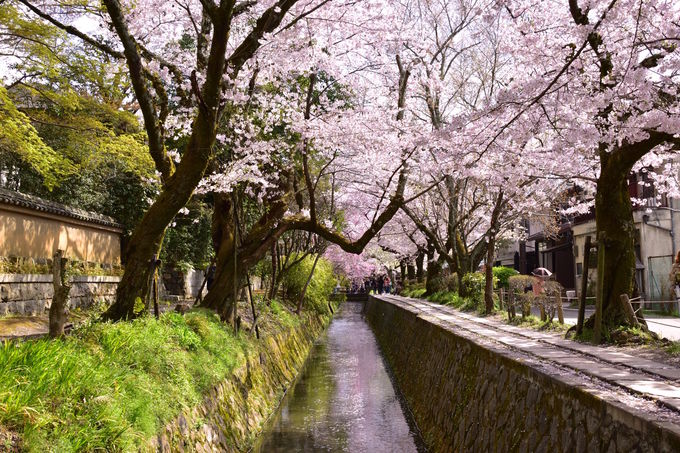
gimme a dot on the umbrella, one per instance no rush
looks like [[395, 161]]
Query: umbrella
[[541, 272]]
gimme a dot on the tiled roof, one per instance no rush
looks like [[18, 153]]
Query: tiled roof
[[13, 198]]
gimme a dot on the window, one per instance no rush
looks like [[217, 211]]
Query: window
[[579, 269]]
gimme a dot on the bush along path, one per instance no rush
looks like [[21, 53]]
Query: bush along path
[[132, 386]]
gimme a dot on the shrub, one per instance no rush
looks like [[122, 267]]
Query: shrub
[[548, 300], [503, 274], [451, 282], [521, 295], [320, 287], [435, 280], [472, 286], [415, 292]]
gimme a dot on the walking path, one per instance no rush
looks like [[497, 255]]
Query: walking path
[[665, 326], [644, 378]]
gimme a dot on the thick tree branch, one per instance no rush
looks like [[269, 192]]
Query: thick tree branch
[[267, 23], [152, 124], [74, 31], [344, 243]]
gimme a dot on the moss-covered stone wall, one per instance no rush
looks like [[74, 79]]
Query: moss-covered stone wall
[[233, 414], [467, 395]]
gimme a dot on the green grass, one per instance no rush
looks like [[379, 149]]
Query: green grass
[[452, 299], [534, 322], [673, 348], [279, 310], [413, 292], [111, 387]]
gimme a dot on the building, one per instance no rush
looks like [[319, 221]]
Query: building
[[31, 227], [657, 228]]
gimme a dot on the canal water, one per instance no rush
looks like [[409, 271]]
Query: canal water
[[344, 400]]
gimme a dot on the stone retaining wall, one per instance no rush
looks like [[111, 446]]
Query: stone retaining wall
[[181, 285], [31, 294], [469, 395], [234, 412]]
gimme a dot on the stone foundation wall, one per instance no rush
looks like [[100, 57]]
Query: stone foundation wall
[[466, 395], [180, 285], [31, 294], [234, 412]]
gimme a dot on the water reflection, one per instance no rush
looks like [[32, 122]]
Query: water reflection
[[344, 400]]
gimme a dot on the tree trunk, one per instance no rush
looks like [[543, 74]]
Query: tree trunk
[[59, 306], [420, 258], [253, 246], [220, 297], [616, 233], [410, 271], [491, 252], [435, 274], [488, 281], [147, 237], [274, 284], [298, 310]]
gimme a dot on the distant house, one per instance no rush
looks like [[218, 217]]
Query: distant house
[[657, 240], [31, 227]]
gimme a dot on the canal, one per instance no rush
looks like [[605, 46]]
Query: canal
[[344, 400]]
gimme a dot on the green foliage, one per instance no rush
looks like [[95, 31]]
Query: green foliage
[[451, 282], [111, 387], [64, 134], [188, 241], [503, 274], [415, 290], [22, 266], [454, 300], [18, 136], [279, 310], [445, 298], [92, 156], [320, 287], [473, 286], [673, 348], [519, 299]]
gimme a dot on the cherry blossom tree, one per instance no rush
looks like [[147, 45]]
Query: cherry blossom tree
[[595, 95], [184, 61], [323, 140]]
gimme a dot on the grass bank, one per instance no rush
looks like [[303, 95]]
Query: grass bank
[[113, 386]]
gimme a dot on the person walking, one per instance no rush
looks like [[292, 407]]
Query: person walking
[[387, 284]]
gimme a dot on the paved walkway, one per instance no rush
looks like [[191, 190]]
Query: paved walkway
[[644, 378], [665, 326]]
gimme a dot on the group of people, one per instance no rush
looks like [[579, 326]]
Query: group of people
[[377, 284]]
